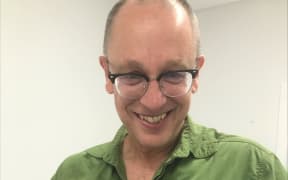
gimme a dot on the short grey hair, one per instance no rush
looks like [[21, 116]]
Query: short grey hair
[[115, 9]]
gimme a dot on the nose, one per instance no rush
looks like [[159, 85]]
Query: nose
[[153, 99]]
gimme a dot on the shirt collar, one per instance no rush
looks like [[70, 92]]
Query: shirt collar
[[198, 140], [111, 151], [195, 139]]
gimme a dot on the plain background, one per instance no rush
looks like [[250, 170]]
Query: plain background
[[53, 101]]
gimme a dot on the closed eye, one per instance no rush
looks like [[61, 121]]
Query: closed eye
[[173, 77], [131, 79]]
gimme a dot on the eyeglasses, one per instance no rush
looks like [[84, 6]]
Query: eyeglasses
[[171, 83]]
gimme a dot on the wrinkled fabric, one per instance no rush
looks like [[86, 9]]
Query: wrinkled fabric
[[201, 154]]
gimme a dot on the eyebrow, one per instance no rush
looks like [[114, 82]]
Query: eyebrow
[[176, 64], [129, 64], [172, 64]]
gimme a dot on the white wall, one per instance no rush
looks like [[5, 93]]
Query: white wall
[[53, 101], [245, 44]]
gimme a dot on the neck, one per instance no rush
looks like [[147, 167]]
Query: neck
[[145, 156]]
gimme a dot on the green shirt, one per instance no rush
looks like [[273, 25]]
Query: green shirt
[[201, 154]]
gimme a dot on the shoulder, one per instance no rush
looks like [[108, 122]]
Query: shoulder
[[227, 142], [235, 152], [237, 144], [85, 162], [95, 162], [249, 154], [96, 152], [207, 141]]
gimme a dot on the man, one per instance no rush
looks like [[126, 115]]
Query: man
[[151, 63]]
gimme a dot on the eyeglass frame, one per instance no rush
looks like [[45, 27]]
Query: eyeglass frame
[[113, 76]]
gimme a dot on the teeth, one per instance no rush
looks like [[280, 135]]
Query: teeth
[[153, 119]]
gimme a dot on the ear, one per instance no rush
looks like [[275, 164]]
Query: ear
[[199, 62], [104, 64]]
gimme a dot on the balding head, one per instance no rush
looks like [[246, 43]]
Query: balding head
[[174, 5]]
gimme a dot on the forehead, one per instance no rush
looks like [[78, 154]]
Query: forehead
[[152, 33]]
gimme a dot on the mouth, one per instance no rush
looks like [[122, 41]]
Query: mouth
[[153, 119]]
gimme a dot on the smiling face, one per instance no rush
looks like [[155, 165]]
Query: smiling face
[[151, 38]]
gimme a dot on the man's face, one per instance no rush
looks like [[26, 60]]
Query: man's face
[[151, 39]]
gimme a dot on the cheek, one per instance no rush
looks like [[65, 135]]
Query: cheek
[[118, 103], [184, 103], [122, 105]]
